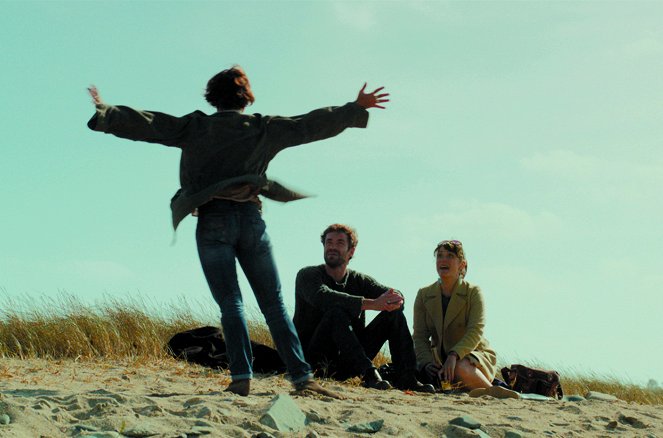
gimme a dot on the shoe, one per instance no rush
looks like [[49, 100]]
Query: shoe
[[313, 386], [373, 380], [494, 391], [239, 387], [408, 382]]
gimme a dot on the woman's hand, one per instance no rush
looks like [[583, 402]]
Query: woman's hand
[[449, 366], [371, 100]]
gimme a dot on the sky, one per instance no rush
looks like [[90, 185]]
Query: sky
[[530, 131]]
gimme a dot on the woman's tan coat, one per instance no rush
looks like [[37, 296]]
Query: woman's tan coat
[[461, 331]]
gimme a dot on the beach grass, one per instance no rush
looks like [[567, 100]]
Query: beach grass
[[130, 329]]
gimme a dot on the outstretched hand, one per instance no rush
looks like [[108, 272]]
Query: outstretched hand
[[94, 93], [371, 100]]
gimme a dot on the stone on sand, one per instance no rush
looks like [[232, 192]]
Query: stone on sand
[[284, 415]]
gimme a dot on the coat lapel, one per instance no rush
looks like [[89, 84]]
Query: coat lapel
[[434, 307], [456, 305]]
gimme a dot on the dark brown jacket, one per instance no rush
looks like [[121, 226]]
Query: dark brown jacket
[[227, 148]]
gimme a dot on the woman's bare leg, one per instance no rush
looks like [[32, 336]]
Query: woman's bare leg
[[470, 375]]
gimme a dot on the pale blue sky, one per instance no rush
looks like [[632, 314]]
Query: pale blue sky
[[531, 131]]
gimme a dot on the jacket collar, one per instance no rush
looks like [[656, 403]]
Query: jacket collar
[[433, 304]]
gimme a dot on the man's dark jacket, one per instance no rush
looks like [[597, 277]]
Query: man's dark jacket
[[316, 292], [226, 149]]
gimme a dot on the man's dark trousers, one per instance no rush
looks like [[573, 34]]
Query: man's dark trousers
[[341, 350]]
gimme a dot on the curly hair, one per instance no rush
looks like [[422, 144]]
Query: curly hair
[[229, 89], [340, 228]]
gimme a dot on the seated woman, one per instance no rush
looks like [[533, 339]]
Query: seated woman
[[448, 327]]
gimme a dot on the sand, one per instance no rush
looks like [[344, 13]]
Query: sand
[[174, 399]]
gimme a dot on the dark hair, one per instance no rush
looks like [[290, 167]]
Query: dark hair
[[229, 89], [340, 228]]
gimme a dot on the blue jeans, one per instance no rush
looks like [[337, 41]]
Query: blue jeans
[[228, 230]]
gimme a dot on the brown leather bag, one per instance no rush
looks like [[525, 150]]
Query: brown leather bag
[[528, 380]]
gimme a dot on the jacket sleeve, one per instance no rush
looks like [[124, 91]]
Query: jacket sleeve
[[421, 334], [283, 132], [149, 126], [310, 287], [475, 325], [371, 288]]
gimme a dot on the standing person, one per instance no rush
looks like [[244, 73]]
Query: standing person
[[330, 305], [448, 327], [222, 171]]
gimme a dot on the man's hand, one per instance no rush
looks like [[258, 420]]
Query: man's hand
[[388, 301], [371, 100], [433, 370], [94, 93]]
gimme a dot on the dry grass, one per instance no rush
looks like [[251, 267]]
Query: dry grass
[[131, 329], [71, 329], [610, 385]]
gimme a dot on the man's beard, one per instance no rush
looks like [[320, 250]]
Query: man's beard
[[333, 260]]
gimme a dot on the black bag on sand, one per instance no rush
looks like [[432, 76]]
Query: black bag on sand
[[205, 346], [533, 381]]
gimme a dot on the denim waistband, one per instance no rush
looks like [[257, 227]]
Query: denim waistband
[[226, 205]]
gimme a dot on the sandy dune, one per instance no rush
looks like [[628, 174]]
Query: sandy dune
[[173, 399]]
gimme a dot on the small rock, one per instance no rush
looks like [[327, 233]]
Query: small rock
[[139, 432], [312, 434], [314, 417], [193, 401], [573, 398], [200, 430], [453, 431], [595, 395], [204, 412], [370, 427], [393, 431], [514, 417], [512, 434], [466, 421], [4, 419], [263, 435], [571, 408], [632, 421], [84, 428], [284, 415], [612, 425]]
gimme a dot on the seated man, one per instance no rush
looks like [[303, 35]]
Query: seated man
[[329, 317]]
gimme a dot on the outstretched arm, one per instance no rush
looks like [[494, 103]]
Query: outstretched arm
[[125, 122], [371, 100]]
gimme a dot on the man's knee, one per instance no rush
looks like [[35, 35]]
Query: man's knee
[[335, 316], [395, 318]]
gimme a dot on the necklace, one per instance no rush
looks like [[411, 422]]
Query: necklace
[[343, 282]]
